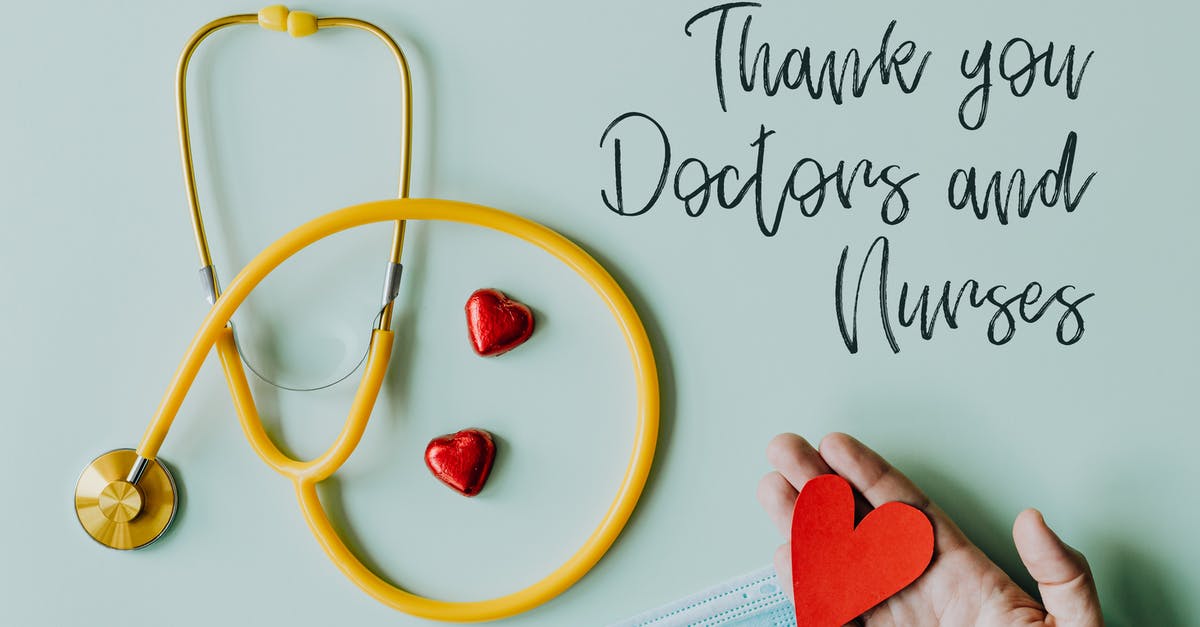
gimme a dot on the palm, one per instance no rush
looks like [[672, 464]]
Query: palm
[[961, 586]]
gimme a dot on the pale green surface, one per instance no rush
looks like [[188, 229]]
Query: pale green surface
[[511, 100]]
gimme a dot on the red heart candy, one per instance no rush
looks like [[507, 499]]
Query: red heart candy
[[496, 323], [839, 571], [462, 460]]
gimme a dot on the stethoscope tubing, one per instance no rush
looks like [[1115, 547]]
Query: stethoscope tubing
[[305, 475]]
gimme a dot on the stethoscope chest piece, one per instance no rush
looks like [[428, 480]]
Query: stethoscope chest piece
[[121, 514]]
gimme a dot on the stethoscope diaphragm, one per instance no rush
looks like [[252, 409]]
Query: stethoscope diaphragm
[[121, 514]]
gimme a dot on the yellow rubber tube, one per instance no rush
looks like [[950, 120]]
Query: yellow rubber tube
[[305, 475], [360, 411]]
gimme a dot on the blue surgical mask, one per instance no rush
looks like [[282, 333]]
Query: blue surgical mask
[[753, 600]]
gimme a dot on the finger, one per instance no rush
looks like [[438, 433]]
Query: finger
[[783, 568], [1063, 575], [869, 473], [795, 459], [881, 483], [778, 497]]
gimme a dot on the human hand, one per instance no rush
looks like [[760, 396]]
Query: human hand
[[961, 586]]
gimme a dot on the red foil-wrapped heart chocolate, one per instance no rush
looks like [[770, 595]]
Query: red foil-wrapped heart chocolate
[[462, 460], [496, 323]]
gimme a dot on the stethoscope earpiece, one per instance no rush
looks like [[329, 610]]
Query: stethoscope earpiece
[[123, 514], [296, 23]]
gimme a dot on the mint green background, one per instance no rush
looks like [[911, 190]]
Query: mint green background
[[511, 99]]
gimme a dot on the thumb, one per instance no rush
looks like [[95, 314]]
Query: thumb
[[1063, 576]]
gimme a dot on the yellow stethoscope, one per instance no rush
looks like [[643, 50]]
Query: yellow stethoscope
[[126, 498]]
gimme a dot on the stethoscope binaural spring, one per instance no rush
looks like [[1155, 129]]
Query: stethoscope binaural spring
[[126, 498], [298, 24]]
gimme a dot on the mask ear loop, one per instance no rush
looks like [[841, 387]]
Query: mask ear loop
[[297, 24]]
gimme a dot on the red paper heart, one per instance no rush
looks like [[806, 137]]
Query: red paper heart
[[839, 571], [496, 323], [462, 460]]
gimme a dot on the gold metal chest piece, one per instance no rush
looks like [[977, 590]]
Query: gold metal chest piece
[[119, 514]]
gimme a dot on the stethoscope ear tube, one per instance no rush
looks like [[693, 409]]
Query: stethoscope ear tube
[[298, 24], [305, 475]]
